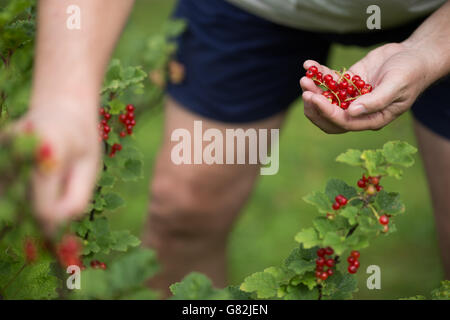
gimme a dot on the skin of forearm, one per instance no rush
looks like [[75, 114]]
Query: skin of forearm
[[432, 42], [70, 64]]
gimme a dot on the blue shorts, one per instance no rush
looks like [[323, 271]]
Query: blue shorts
[[242, 68]]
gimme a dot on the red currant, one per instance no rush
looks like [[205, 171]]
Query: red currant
[[361, 183], [330, 272], [356, 263], [360, 84], [333, 85], [327, 78], [345, 105], [355, 254], [329, 251], [329, 263], [384, 220], [320, 261], [321, 252], [309, 74], [130, 108], [336, 206], [351, 259], [356, 78], [324, 276], [352, 269]]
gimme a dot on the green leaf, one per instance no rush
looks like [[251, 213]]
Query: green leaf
[[106, 180], [395, 172], [116, 106], [399, 152], [335, 241], [390, 203], [194, 286], [282, 275], [340, 287], [132, 170], [262, 283], [113, 201], [132, 270], [350, 213], [374, 162], [324, 225], [319, 200], [301, 260], [443, 292], [301, 292], [308, 237], [351, 157], [123, 240], [336, 187]]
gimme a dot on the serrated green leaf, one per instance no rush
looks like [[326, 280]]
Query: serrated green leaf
[[262, 283], [302, 292], [308, 237], [324, 225], [338, 187], [194, 286], [374, 162], [350, 213], [106, 180], [113, 201], [390, 203], [123, 240], [335, 241], [395, 172], [319, 200], [339, 287], [399, 152], [132, 270], [132, 170], [116, 106], [351, 157]]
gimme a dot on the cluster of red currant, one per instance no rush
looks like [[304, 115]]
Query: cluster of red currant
[[353, 262], [69, 251], [339, 202], [341, 92], [323, 261], [95, 264], [370, 184], [103, 126], [127, 119]]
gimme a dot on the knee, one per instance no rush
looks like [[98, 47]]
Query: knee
[[183, 212]]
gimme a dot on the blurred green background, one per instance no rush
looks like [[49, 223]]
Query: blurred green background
[[263, 236]]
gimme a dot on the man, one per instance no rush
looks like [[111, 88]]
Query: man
[[241, 63]]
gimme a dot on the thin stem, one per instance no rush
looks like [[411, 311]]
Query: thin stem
[[373, 210]]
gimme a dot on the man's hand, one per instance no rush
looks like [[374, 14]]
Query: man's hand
[[63, 188], [399, 72], [398, 75]]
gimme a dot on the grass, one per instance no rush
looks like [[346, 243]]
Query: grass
[[264, 233]]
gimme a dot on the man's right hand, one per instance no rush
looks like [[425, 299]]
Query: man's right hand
[[63, 186]]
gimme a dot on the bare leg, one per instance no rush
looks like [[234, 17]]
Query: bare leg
[[435, 152], [193, 207]]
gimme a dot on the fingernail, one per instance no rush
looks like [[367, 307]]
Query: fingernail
[[357, 110]]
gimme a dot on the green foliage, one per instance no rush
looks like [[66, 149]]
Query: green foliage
[[128, 266]]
